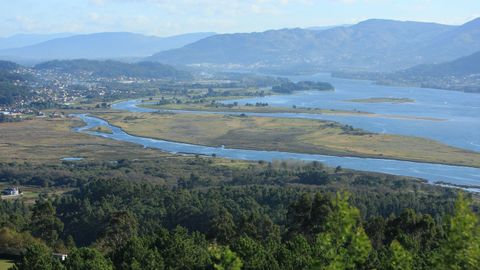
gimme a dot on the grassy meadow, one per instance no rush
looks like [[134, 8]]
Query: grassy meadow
[[45, 140]]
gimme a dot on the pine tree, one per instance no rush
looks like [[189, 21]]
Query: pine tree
[[224, 258], [461, 247], [400, 258], [344, 244]]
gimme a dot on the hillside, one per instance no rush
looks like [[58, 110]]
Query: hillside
[[463, 66], [101, 46], [372, 45], [8, 66], [462, 74], [460, 41], [111, 69], [11, 84]]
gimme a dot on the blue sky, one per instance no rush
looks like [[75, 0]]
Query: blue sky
[[170, 17]]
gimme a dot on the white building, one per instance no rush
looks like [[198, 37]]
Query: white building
[[11, 191]]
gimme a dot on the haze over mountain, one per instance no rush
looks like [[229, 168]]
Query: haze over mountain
[[22, 40], [112, 69], [372, 45], [322, 28], [463, 66], [460, 41], [462, 74], [108, 45]]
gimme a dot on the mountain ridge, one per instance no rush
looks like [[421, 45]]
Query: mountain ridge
[[371, 45], [22, 40], [104, 45]]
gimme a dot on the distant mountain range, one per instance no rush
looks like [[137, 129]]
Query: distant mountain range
[[100, 46], [22, 40], [372, 45]]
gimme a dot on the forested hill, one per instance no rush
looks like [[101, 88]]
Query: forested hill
[[112, 69], [462, 74], [7, 66], [11, 84], [463, 66]]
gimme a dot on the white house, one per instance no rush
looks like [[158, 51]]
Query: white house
[[12, 191], [60, 256]]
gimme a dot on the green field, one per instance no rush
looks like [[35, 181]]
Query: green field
[[291, 135], [31, 193], [5, 264]]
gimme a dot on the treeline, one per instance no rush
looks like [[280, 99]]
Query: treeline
[[113, 69], [8, 118], [289, 87], [159, 215]]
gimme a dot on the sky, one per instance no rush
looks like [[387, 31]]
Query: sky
[[171, 17]]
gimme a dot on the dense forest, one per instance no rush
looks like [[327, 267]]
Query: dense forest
[[112, 69], [197, 214]]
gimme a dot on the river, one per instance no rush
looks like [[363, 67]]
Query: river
[[461, 127]]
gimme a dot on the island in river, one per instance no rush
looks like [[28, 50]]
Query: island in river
[[288, 135], [266, 109], [382, 100], [101, 129]]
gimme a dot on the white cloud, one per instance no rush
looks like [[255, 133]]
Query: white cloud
[[166, 17]]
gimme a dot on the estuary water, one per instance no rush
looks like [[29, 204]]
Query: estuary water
[[459, 127], [459, 112]]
